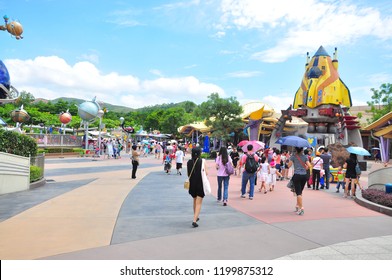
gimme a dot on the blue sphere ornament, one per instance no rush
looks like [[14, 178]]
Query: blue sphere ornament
[[88, 110]]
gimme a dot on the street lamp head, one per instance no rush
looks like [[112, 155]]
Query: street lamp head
[[100, 113], [122, 120]]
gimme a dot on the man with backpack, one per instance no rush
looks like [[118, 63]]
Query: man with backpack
[[250, 161]]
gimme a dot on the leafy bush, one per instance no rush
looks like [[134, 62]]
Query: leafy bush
[[377, 196], [35, 173], [18, 144]]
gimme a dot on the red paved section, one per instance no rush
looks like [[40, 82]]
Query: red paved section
[[278, 205]]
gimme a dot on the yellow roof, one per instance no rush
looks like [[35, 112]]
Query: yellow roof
[[381, 127], [252, 107], [189, 128], [380, 122]]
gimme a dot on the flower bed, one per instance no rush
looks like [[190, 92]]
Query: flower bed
[[377, 196]]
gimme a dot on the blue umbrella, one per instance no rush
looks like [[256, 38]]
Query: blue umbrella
[[294, 141], [358, 151]]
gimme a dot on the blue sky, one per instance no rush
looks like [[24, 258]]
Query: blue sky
[[139, 53]]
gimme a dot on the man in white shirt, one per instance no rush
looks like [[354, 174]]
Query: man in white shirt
[[179, 159]]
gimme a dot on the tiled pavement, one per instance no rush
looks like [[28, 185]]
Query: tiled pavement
[[93, 210]]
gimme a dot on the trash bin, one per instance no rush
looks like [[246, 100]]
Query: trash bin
[[388, 188]]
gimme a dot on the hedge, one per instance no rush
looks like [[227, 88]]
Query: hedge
[[18, 144]]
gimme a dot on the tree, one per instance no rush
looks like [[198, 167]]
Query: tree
[[25, 99], [223, 115], [381, 103], [172, 119]]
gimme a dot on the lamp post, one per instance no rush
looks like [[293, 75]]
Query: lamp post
[[121, 125], [100, 115]]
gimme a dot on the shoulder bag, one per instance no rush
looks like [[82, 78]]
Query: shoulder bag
[[206, 182], [186, 183]]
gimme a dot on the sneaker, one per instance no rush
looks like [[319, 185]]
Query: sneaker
[[225, 203], [243, 196], [296, 209], [251, 198], [194, 224], [218, 201], [301, 212], [337, 191]]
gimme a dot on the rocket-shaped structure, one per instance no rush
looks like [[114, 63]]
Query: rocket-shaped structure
[[321, 83], [323, 99]]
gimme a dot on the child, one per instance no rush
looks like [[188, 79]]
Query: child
[[273, 172], [167, 162], [322, 172], [263, 174], [340, 179]]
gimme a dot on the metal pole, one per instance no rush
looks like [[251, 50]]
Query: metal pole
[[86, 140], [99, 136]]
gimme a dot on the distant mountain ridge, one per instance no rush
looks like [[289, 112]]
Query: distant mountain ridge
[[114, 108]]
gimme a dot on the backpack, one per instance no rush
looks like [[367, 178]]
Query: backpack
[[250, 164]]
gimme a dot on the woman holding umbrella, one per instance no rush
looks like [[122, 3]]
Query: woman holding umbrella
[[351, 175], [301, 165]]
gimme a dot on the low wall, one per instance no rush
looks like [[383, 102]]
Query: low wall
[[378, 178], [14, 173]]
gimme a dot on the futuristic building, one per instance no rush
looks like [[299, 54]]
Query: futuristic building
[[323, 101]]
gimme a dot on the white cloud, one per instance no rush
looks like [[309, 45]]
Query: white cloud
[[52, 77], [304, 24]]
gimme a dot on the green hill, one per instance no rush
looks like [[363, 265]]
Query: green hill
[[110, 107]]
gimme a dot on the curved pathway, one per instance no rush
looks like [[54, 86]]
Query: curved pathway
[[93, 210]]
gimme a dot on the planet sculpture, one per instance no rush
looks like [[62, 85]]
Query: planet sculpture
[[7, 92], [20, 115], [13, 27], [65, 118], [88, 110], [4, 81]]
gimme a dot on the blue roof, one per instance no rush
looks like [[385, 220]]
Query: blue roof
[[321, 52]]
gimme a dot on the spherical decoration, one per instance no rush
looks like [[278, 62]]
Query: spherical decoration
[[19, 116], [88, 110], [65, 118], [15, 28]]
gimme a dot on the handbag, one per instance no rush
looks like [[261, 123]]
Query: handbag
[[290, 185], [357, 169], [229, 168], [187, 183], [206, 182], [310, 181]]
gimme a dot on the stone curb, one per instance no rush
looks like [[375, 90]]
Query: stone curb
[[371, 205], [38, 183]]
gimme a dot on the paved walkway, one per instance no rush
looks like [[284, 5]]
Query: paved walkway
[[93, 210]]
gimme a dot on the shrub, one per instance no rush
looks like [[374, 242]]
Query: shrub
[[18, 144], [35, 173], [377, 196]]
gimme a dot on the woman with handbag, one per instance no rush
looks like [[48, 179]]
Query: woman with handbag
[[301, 165], [194, 169], [222, 175]]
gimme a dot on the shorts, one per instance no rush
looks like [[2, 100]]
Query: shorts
[[178, 165]]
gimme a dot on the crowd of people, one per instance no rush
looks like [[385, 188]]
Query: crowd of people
[[260, 169]]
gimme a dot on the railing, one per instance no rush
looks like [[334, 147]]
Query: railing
[[57, 140]]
